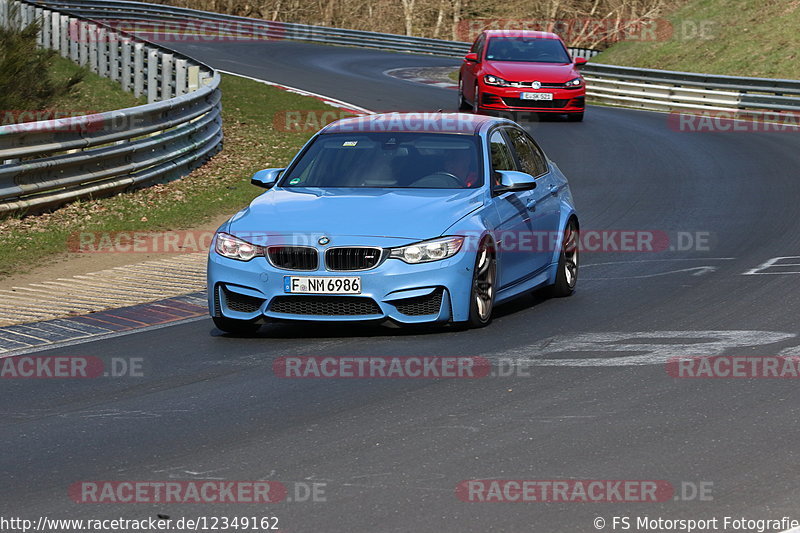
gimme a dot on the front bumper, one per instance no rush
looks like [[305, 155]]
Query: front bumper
[[429, 292], [508, 99]]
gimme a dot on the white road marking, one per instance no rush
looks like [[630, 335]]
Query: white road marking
[[696, 271], [586, 265], [333, 102], [793, 351], [643, 347], [775, 264]]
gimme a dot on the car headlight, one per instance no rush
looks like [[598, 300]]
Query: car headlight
[[427, 251], [577, 82], [234, 248], [494, 80]]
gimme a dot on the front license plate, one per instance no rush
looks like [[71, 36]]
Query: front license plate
[[316, 285], [536, 96]]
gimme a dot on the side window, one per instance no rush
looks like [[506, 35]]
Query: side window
[[477, 47], [501, 156], [531, 159]]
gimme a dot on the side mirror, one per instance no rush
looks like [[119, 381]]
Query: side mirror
[[511, 180], [266, 178], [472, 57], [580, 61]]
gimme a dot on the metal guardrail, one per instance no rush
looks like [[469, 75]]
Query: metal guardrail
[[775, 100], [51, 162]]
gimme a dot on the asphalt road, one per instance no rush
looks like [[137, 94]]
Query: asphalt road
[[391, 452]]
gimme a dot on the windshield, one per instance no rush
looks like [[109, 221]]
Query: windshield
[[526, 49], [388, 160]]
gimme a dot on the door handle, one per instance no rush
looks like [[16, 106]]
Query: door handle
[[553, 190], [531, 205]]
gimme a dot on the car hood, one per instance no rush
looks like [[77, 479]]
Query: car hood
[[401, 213], [544, 72]]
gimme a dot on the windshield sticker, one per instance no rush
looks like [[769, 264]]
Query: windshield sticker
[[294, 181], [349, 143]]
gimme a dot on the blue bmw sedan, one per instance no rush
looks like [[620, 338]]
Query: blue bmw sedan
[[408, 217]]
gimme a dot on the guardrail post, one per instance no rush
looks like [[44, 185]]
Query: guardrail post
[[94, 61], [126, 60], [37, 17], [167, 77], [55, 33], [181, 70], [74, 37], [138, 69], [193, 78], [4, 14], [48, 36], [102, 52], [152, 74], [63, 35], [83, 44], [113, 55], [13, 19]]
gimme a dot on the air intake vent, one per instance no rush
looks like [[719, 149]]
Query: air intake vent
[[293, 257], [241, 302], [355, 258], [421, 305], [325, 305], [540, 104]]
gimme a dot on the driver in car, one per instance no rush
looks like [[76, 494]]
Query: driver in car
[[462, 168]]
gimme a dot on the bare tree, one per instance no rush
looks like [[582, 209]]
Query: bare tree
[[429, 18], [408, 15]]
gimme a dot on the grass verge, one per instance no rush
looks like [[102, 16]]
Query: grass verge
[[220, 186], [743, 38], [94, 94]]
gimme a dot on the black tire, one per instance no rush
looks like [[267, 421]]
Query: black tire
[[575, 117], [482, 292], [236, 327], [463, 105], [567, 274]]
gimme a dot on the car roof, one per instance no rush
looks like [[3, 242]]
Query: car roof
[[530, 34], [428, 122]]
